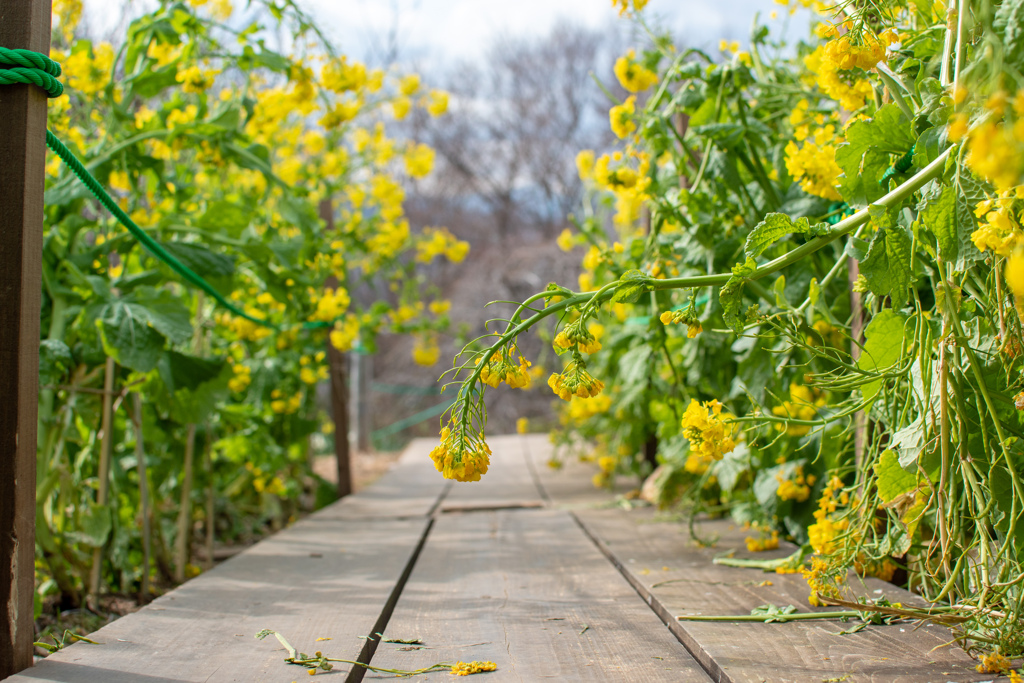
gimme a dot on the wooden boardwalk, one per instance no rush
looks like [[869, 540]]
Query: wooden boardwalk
[[530, 568]]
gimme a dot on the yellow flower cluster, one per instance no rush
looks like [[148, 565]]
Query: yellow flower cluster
[[823, 581], [848, 89], [624, 5], [798, 488], [994, 663], [629, 185], [242, 328], [704, 426], [426, 351], [580, 410], [502, 368], [345, 332], [996, 146], [823, 533], [464, 460], [419, 160], [281, 404], [439, 241], [1001, 231], [312, 370], [467, 668], [606, 465], [241, 379], [813, 163], [633, 76], [803, 405], [331, 306], [621, 117], [762, 543], [687, 317], [575, 381], [88, 71], [195, 80], [577, 334]]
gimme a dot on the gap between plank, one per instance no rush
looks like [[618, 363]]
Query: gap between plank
[[356, 673], [699, 654]]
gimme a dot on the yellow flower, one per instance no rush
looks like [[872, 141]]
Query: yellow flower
[[143, 116], [565, 240], [196, 80], [575, 381], [502, 368], [345, 332], [467, 668], [400, 107], [419, 160], [585, 164], [440, 307], [633, 76], [705, 428], [624, 5], [763, 543], [957, 128], [993, 663], [437, 103], [621, 117], [523, 425], [1014, 273], [426, 351], [461, 457]]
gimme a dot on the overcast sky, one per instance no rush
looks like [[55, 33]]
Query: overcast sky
[[441, 30]]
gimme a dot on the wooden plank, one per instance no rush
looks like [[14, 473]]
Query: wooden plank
[[411, 488], [571, 484], [321, 578], [24, 24], [527, 590], [677, 577], [508, 482]]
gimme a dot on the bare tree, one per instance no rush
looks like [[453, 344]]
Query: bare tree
[[516, 123]]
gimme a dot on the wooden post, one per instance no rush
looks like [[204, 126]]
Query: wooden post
[[96, 573], [23, 24], [339, 386]]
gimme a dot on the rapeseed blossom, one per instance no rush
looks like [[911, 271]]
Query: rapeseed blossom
[[704, 427], [574, 380], [621, 117], [461, 459], [633, 76]]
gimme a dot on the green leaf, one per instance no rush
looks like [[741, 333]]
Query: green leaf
[[225, 218], [774, 227], [893, 480], [634, 284], [196, 385], [868, 152], [215, 268], [883, 344], [164, 311], [886, 264], [1009, 25], [54, 361], [939, 216], [129, 338], [94, 526]]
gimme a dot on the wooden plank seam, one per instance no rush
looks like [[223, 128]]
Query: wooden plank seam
[[702, 657]]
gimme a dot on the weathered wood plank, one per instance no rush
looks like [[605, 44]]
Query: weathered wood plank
[[322, 578], [571, 484], [677, 577], [508, 482], [24, 24], [527, 590], [411, 488]]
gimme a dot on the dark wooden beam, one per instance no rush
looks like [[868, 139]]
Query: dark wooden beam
[[337, 362], [24, 24]]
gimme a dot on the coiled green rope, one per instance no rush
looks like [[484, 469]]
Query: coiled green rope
[[31, 68]]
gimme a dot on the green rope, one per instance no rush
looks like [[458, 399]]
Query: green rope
[[151, 245], [30, 68], [902, 165]]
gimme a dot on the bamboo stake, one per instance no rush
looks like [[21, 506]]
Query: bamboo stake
[[208, 462], [140, 460], [181, 544], [104, 472]]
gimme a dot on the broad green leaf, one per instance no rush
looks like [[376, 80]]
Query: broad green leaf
[[225, 218], [939, 215], [1009, 25], [883, 343], [94, 526], [129, 338], [214, 267], [54, 361], [886, 263], [869, 150], [893, 480], [774, 227], [164, 311]]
